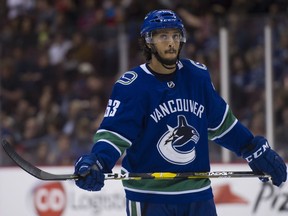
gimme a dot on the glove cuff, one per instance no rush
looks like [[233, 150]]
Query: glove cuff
[[100, 163], [255, 149]]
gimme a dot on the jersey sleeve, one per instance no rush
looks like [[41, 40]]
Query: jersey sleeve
[[223, 127], [122, 122]]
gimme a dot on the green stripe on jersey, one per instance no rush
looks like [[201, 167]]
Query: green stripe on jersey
[[226, 124], [167, 186], [111, 137], [133, 208]]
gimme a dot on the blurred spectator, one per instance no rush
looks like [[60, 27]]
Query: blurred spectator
[[59, 60], [30, 135], [239, 82], [64, 95], [26, 34], [58, 49], [255, 59], [64, 153], [83, 136], [43, 35], [90, 13], [281, 135], [19, 7], [45, 11], [73, 114], [42, 71], [65, 17], [10, 87], [83, 48], [42, 155], [48, 109], [23, 111]]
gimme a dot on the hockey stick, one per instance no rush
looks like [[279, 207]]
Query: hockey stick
[[43, 175], [31, 169]]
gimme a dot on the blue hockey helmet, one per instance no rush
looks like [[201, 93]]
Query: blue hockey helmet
[[162, 19]]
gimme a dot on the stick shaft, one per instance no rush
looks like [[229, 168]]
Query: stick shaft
[[188, 175], [46, 176]]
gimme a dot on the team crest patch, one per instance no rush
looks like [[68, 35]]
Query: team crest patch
[[127, 78], [177, 144]]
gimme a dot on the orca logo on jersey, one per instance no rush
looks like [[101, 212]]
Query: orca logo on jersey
[[177, 145], [127, 78]]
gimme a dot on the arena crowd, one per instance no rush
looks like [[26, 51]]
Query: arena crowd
[[60, 58]]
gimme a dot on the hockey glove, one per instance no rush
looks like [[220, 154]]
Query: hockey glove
[[89, 168], [262, 159]]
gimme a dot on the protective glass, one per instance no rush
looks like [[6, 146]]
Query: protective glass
[[160, 37]]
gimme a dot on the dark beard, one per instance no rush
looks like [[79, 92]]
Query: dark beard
[[169, 61], [166, 61]]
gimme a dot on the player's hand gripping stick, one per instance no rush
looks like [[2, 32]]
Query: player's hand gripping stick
[[89, 168], [262, 159]]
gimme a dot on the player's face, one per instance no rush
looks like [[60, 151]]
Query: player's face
[[167, 43]]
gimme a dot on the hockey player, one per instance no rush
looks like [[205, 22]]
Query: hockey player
[[162, 114]]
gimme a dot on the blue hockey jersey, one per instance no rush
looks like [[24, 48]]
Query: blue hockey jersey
[[164, 126]]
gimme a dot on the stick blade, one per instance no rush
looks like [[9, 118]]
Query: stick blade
[[31, 169]]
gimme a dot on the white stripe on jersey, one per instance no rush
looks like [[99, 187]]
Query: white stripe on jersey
[[137, 208], [168, 193], [116, 134], [224, 117], [225, 132], [112, 144]]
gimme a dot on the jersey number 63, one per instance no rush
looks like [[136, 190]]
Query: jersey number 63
[[111, 108]]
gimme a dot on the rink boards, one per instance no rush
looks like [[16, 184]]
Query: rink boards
[[22, 194]]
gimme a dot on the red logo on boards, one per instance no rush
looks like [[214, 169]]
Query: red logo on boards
[[50, 199], [223, 194]]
